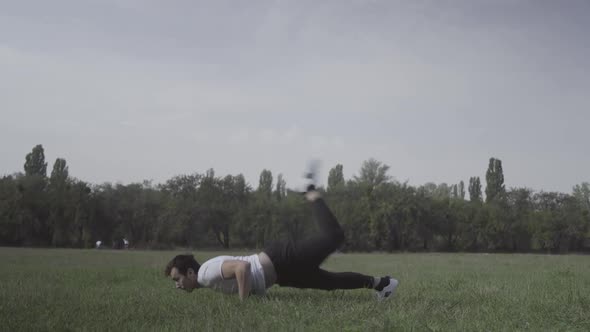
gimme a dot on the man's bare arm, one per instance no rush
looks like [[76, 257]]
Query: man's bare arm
[[239, 270]]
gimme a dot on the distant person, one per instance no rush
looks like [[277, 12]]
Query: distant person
[[125, 243], [98, 244], [289, 264]]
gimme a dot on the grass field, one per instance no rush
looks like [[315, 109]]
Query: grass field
[[61, 290]]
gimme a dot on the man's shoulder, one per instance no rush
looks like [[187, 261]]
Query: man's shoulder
[[220, 258], [210, 271], [217, 260]]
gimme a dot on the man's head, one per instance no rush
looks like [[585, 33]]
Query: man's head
[[183, 270]]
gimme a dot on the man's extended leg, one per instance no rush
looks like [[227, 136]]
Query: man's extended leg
[[322, 279]]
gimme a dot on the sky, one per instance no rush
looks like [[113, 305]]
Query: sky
[[133, 90]]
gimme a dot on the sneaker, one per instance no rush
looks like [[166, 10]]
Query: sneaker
[[388, 290], [308, 181]]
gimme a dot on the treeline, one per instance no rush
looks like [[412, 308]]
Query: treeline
[[209, 211]]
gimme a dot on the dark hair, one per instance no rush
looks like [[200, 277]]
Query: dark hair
[[182, 263]]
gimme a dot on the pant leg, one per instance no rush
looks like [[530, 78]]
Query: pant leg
[[291, 257], [326, 220], [312, 251], [322, 279]]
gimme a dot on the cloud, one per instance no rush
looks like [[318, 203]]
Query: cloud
[[239, 136], [428, 88], [279, 137]]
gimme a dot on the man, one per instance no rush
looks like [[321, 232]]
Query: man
[[289, 264]]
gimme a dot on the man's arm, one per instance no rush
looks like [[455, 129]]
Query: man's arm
[[239, 270]]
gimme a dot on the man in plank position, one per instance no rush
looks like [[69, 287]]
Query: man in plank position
[[289, 264]]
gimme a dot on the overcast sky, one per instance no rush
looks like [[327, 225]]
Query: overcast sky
[[127, 90]]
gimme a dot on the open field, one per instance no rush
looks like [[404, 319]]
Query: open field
[[60, 289]]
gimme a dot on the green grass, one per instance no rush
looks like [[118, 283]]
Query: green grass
[[61, 290]]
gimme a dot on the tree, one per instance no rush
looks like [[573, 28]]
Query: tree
[[265, 183], [10, 227], [262, 209], [281, 188], [372, 174], [462, 190], [425, 221], [560, 222], [60, 172], [35, 162], [475, 189], [236, 199], [520, 217], [216, 206], [352, 210], [203, 210], [179, 221], [443, 191], [33, 211], [429, 189], [58, 192], [582, 193], [495, 181], [454, 223], [335, 178], [79, 212]]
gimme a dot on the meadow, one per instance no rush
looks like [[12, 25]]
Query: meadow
[[98, 290]]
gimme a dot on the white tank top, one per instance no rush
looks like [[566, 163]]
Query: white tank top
[[210, 275]]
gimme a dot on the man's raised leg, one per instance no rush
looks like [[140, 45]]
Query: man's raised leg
[[311, 252]]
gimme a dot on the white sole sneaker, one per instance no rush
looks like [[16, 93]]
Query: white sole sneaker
[[388, 291]]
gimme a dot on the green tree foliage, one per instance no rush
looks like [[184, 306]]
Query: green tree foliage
[[33, 210], [475, 189], [262, 210], [372, 173], [281, 188], [35, 162], [178, 222], [561, 225], [203, 210], [462, 190], [265, 183], [495, 181], [10, 212], [520, 202], [58, 193], [336, 178], [582, 193]]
